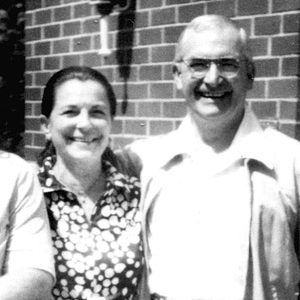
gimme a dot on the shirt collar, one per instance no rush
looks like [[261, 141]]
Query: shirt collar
[[248, 143], [50, 183]]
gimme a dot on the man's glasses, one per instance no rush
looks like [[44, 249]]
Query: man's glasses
[[228, 67]]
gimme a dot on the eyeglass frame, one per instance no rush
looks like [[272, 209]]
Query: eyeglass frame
[[217, 61]]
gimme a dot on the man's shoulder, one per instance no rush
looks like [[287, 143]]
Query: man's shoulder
[[281, 141]]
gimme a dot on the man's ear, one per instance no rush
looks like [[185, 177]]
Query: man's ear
[[177, 77], [250, 74], [45, 126]]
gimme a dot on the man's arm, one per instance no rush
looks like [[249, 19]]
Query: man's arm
[[30, 284]]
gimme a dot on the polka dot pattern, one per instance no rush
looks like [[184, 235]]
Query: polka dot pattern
[[103, 257]]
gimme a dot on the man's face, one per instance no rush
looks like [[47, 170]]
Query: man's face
[[214, 96]]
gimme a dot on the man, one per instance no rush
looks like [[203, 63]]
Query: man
[[220, 194], [26, 259]]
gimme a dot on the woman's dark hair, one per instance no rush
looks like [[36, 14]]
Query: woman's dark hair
[[81, 73]]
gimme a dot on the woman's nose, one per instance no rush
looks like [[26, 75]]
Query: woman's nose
[[83, 120]]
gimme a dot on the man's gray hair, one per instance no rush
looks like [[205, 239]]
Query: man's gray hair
[[211, 22]]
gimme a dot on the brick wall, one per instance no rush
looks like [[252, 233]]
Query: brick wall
[[66, 32]]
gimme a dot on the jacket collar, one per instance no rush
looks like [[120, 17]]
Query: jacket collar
[[249, 143]]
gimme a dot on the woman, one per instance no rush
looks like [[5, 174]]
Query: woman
[[92, 195]]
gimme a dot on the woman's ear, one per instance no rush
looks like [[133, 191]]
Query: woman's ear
[[177, 77], [45, 127]]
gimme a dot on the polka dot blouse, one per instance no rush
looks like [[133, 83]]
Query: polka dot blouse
[[103, 256]]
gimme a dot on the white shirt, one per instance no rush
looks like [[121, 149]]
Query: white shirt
[[198, 214], [25, 240]]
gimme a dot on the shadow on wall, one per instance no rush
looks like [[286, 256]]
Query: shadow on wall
[[125, 39], [297, 129], [12, 62]]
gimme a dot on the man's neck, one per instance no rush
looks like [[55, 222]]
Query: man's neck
[[216, 135]]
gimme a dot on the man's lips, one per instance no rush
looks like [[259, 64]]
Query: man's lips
[[212, 95], [85, 140]]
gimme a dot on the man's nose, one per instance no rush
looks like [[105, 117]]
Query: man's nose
[[213, 76]]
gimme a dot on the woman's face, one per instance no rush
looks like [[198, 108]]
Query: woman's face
[[80, 122]]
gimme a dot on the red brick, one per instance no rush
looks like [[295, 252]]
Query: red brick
[[82, 10], [225, 8], [28, 138], [33, 64], [91, 25], [142, 19], [264, 109], [244, 23], [150, 36], [62, 13], [161, 90], [33, 4], [36, 108], [70, 60], [290, 66], [51, 31], [290, 110], [267, 67], [42, 48], [125, 107], [138, 91], [152, 72], [32, 123], [28, 50], [71, 28], [39, 140], [149, 109], [41, 78], [168, 72], [174, 109], [291, 22], [150, 3], [267, 25], [171, 34], [117, 127], [258, 90], [171, 2], [92, 59], [135, 127], [28, 109], [140, 55], [28, 19], [126, 73], [28, 79], [107, 72], [52, 2], [285, 45], [284, 88], [43, 16], [163, 16], [163, 53], [33, 34], [187, 12], [31, 154], [292, 130], [82, 43], [259, 46], [253, 7], [160, 127], [61, 46], [286, 5], [52, 63]]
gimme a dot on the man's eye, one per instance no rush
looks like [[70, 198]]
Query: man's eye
[[229, 64], [199, 65]]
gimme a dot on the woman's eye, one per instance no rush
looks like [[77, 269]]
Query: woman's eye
[[69, 112]]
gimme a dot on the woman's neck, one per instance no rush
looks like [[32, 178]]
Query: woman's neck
[[81, 177]]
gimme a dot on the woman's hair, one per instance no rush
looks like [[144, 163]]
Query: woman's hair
[[81, 73]]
